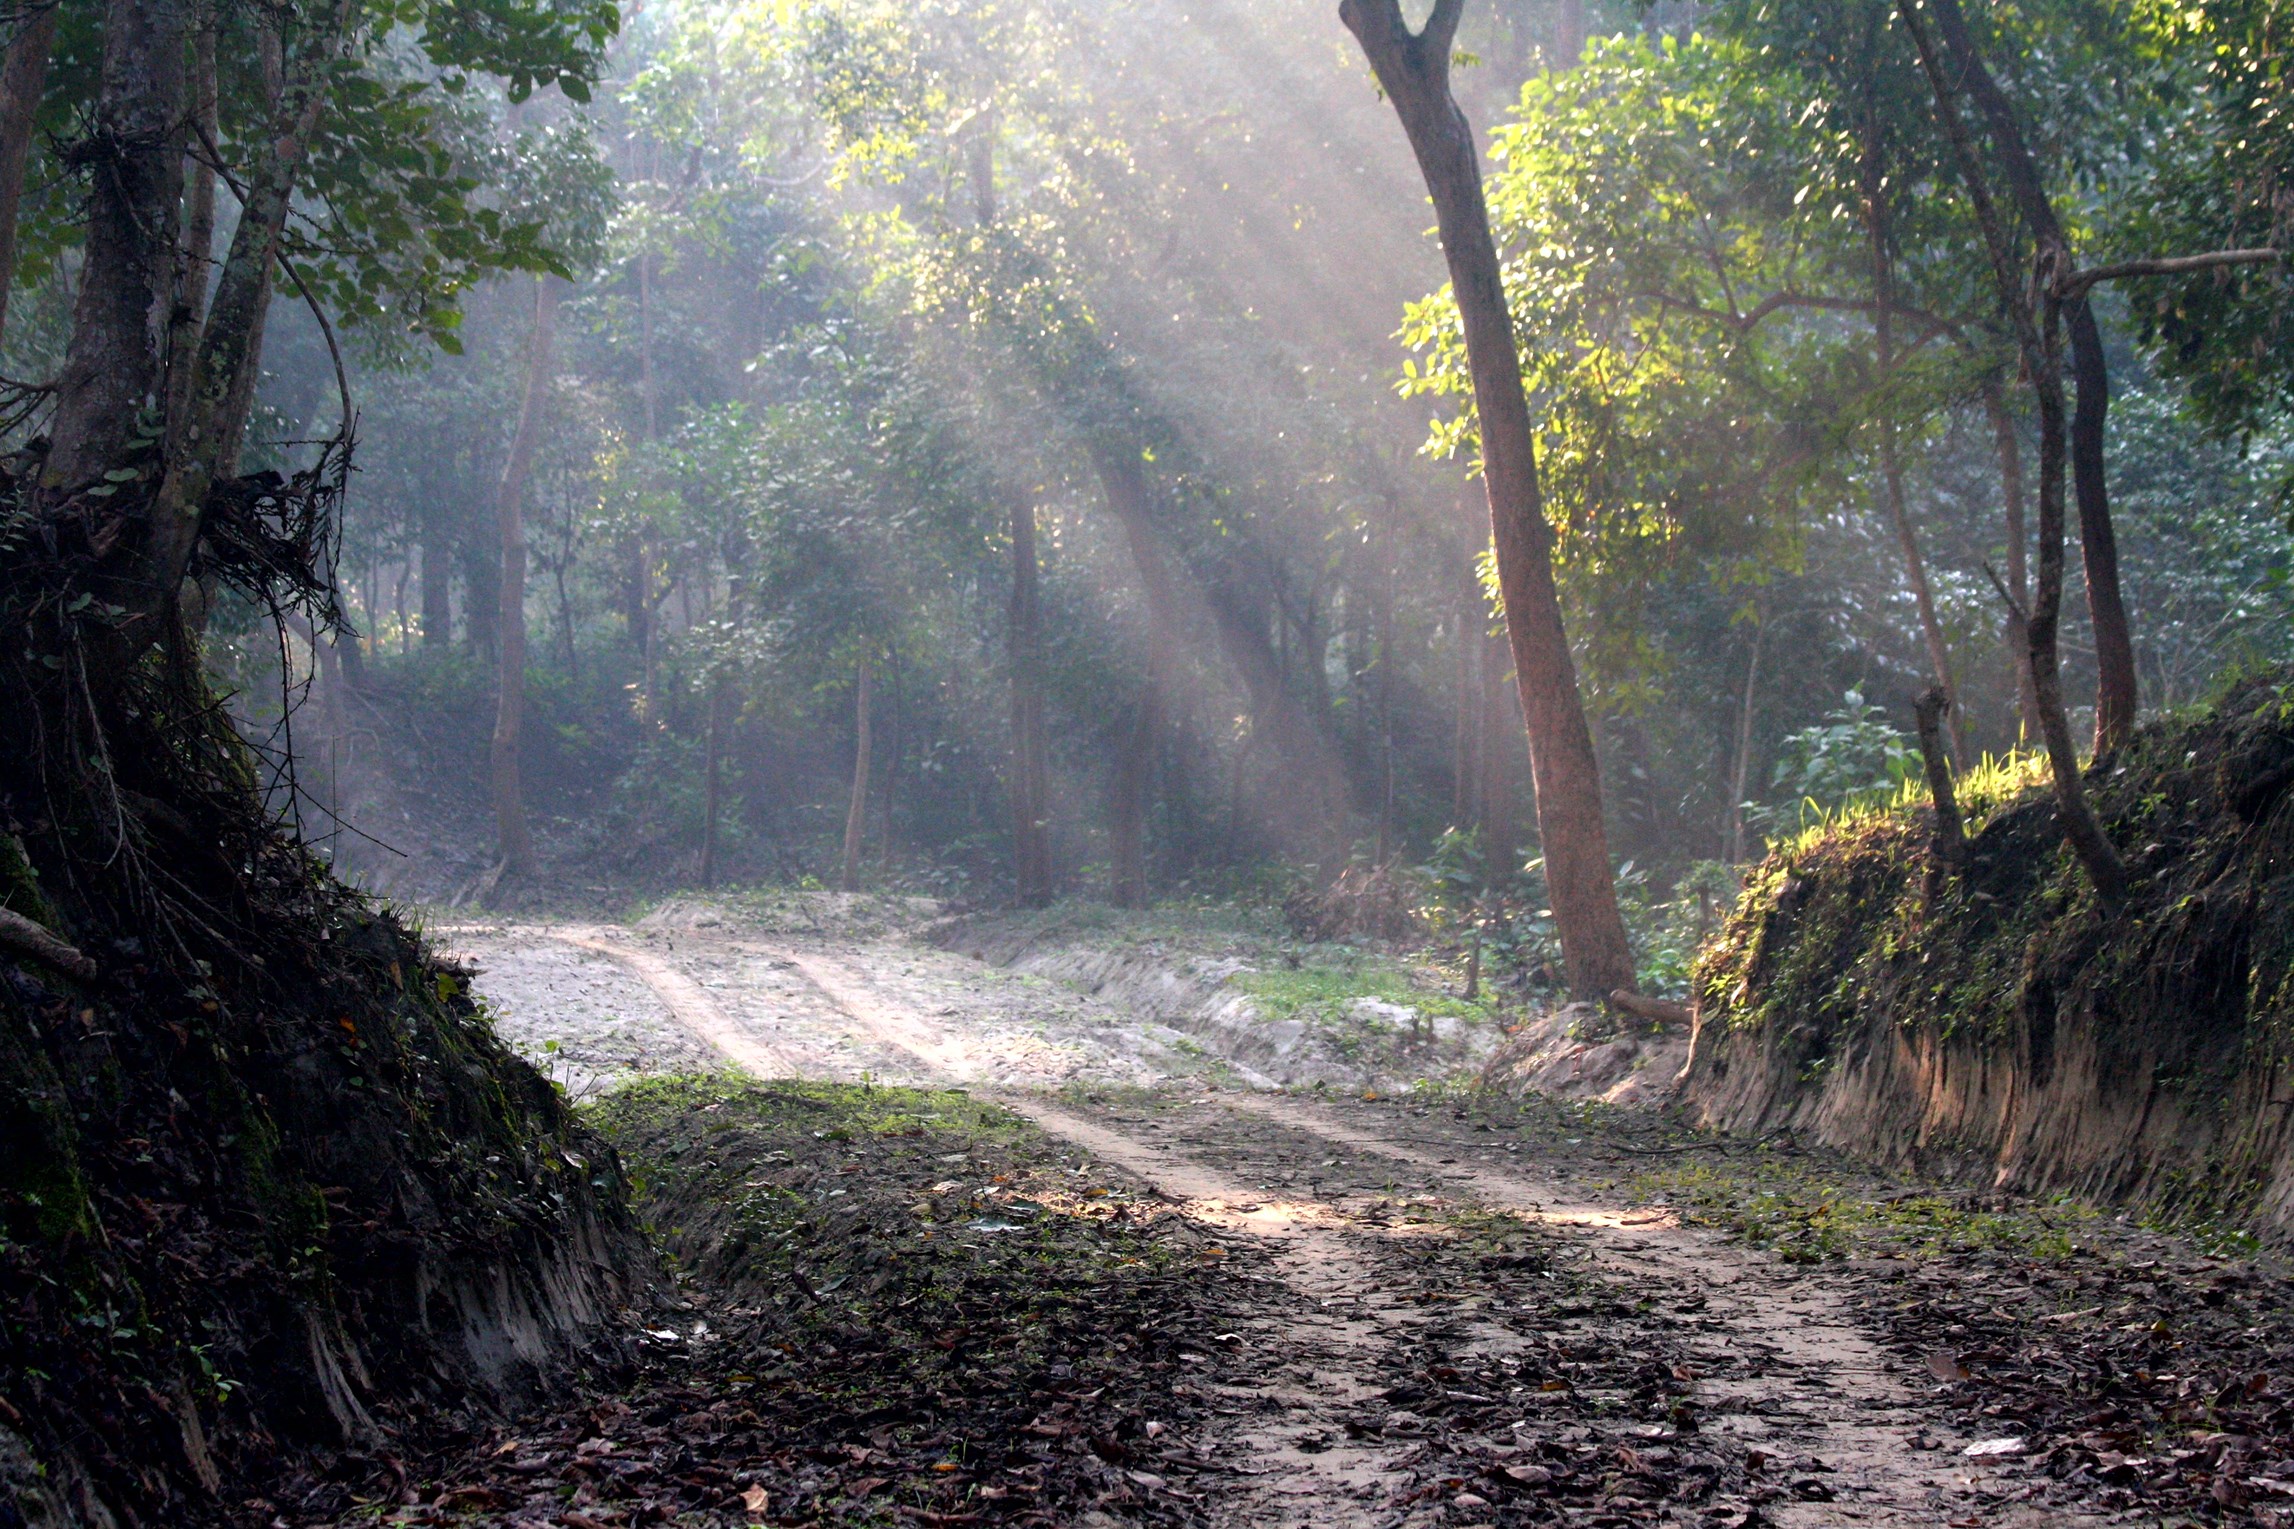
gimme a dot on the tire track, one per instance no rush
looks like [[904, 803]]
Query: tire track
[[687, 1002]]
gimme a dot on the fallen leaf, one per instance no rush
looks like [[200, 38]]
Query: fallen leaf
[[1987, 1448], [756, 1500], [1944, 1367]]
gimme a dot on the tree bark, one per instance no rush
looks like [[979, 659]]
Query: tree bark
[[2038, 330], [1414, 69], [23, 80], [115, 365], [2015, 628], [2116, 691], [198, 249], [516, 842], [856, 815], [1031, 776]]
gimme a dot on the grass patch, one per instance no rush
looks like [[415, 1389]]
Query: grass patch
[[1806, 1216]]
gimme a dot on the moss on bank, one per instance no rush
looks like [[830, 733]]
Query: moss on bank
[[2001, 1020]]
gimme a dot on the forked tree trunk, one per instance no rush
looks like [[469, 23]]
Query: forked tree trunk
[[23, 79], [1031, 776], [2038, 329], [2116, 689], [517, 845], [856, 815], [1414, 69], [2014, 628]]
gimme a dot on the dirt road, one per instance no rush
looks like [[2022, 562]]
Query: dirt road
[[1760, 1384]]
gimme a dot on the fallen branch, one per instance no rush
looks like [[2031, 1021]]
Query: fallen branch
[[1657, 1011], [25, 938]]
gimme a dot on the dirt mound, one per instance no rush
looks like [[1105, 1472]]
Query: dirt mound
[[2004, 1026], [272, 1198], [1577, 1051]]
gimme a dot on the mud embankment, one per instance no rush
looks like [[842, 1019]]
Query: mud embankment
[[2000, 1026], [1198, 996]]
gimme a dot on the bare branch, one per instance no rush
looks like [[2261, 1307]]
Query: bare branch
[[20, 936], [1441, 31]]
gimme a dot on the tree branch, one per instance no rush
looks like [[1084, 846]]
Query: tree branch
[[2076, 283], [20, 936]]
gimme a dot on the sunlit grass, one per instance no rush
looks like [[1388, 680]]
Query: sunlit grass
[[1994, 782]]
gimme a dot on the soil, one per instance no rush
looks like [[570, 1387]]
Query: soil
[[1025, 1259]]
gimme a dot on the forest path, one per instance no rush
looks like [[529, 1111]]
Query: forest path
[[1374, 1356]]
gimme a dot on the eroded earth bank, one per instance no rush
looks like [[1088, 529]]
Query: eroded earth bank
[[1038, 1224]]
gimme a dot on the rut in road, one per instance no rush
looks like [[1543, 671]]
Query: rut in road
[[1801, 1381]]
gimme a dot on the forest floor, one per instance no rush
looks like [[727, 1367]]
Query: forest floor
[[991, 1250]]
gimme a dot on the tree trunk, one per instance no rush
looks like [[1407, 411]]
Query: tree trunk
[[1740, 779], [2015, 628], [2038, 329], [1134, 783], [1031, 777], [712, 787], [1501, 728], [517, 844], [2117, 697], [1873, 176], [1414, 69], [116, 362], [437, 586], [856, 816], [198, 250], [2116, 692], [1464, 744], [23, 79]]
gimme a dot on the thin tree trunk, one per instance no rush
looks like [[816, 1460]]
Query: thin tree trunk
[[1031, 789], [23, 79], [1571, 29], [2015, 629], [1740, 780], [198, 249], [712, 781], [2116, 691], [856, 815], [1501, 725], [2039, 336], [1873, 174], [1464, 752], [1414, 69], [1385, 632], [1134, 783], [437, 586], [398, 604], [516, 842]]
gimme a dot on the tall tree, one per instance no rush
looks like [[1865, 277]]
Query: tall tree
[[1414, 70], [23, 77], [2116, 694], [512, 837], [2034, 306]]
